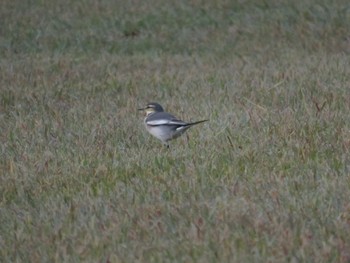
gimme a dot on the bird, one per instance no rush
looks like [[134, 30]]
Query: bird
[[163, 125]]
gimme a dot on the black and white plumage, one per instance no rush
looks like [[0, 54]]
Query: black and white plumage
[[163, 125]]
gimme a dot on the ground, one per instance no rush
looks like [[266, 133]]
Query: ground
[[267, 179]]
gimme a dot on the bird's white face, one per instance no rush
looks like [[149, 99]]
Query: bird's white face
[[149, 109]]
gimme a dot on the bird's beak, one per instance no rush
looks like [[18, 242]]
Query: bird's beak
[[140, 109]]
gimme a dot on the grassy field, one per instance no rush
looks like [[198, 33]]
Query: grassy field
[[267, 179]]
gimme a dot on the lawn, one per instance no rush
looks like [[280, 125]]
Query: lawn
[[267, 179]]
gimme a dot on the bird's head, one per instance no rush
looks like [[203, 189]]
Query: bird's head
[[151, 108]]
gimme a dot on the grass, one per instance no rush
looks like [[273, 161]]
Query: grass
[[266, 180]]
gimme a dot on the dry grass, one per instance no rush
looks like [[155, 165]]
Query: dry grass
[[266, 180]]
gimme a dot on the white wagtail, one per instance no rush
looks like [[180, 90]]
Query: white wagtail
[[163, 125]]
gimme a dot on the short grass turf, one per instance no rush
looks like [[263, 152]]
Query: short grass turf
[[267, 179]]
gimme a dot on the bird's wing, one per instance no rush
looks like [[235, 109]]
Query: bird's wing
[[163, 118]]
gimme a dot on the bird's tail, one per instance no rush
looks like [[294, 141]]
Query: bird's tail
[[196, 122]]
